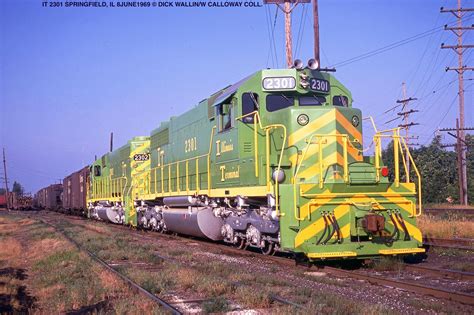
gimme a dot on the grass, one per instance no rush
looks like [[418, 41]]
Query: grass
[[154, 282], [388, 264], [215, 305], [450, 225], [55, 277]]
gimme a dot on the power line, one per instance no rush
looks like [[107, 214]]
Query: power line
[[389, 47]]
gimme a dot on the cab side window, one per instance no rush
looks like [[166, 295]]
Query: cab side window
[[97, 170], [340, 100], [249, 105], [226, 116]]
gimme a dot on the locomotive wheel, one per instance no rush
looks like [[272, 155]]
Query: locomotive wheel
[[241, 243], [268, 249]]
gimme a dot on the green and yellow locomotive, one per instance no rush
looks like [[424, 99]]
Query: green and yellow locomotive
[[274, 161]]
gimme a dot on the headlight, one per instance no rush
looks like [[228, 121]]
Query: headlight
[[355, 121], [303, 119]]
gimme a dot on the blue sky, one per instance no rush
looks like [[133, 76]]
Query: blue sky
[[70, 76]]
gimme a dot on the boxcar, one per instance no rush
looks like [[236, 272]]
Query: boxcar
[[49, 197], [74, 191]]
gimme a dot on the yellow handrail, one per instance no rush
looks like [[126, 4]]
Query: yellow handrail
[[416, 214], [257, 120], [399, 147], [320, 142]]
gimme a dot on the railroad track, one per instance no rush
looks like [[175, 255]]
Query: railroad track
[[454, 243], [438, 211], [133, 285], [145, 266], [373, 279], [377, 280], [447, 273]]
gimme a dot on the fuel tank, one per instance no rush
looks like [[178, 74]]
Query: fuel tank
[[108, 214], [194, 221]]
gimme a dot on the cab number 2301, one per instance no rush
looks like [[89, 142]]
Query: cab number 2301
[[190, 145]]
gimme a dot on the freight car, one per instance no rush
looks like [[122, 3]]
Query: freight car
[[274, 161], [3, 201], [49, 197], [16, 202], [75, 191]]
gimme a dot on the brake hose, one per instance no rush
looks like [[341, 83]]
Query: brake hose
[[338, 229], [404, 227], [332, 232], [324, 232], [395, 230]]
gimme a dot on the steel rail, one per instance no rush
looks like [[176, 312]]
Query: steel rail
[[124, 278], [284, 301], [460, 297], [468, 211], [455, 243], [450, 273]]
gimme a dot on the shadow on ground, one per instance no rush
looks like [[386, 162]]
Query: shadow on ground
[[14, 297]]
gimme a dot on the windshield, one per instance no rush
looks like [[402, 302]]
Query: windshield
[[312, 100], [279, 101]]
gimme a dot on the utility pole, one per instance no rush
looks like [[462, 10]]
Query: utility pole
[[288, 37], [316, 31], [459, 49], [287, 9], [459, 148], [6, 179], [405, 113]]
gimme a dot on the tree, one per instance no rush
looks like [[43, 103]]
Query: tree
[[437, 169], [17, 188]]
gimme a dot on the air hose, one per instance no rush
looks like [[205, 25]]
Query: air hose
[[338, 229], [324, 232], [395, 230], [404, 227], [330, 235]]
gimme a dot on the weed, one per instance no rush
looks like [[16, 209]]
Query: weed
[[388, 264], [177, 252], [449, 225], [215, 305], [250, 298]]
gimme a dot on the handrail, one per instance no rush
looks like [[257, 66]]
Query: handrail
[[162, 167], [399, 146], [416, 214], [320, 137], [320, 142], [267, 129]]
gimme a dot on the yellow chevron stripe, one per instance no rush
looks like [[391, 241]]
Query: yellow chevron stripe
[[351, 151], [348, 126], [310, 128], [313, 170], [346, 230], [317, 226]]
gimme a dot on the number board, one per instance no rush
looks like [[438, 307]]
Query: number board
[[319, 85], [141, 157], [279, 83]]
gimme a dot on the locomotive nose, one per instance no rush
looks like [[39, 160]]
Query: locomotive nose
[[325, 138]]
